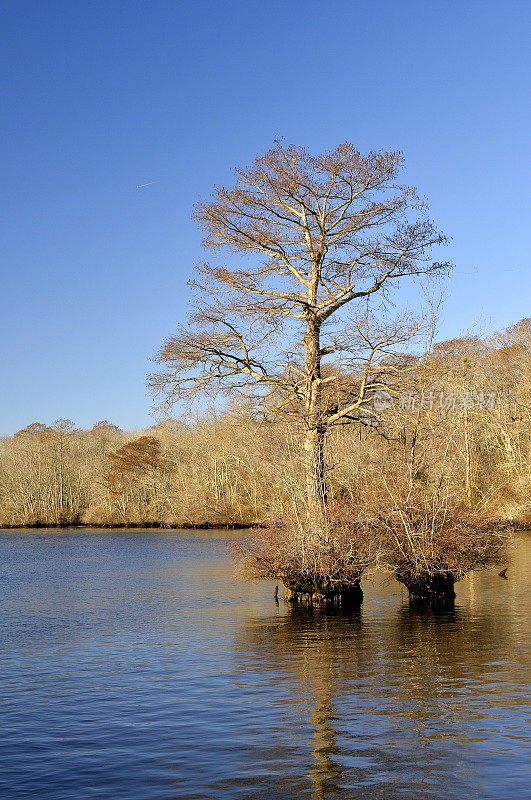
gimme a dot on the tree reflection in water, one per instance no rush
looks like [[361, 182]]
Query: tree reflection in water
[[393, 703]]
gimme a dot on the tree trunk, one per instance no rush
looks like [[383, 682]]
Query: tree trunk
[[315, 478], [316, 431]]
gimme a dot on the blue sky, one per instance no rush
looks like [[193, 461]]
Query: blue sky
[[98, 97]]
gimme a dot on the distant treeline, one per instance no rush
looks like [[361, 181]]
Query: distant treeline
[[468, 406]]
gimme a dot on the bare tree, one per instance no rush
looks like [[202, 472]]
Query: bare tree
[[310, 237]]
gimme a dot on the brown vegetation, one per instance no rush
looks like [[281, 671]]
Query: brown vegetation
[[230, 470], [315, 569]]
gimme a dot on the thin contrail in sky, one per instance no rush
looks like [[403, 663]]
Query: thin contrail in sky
[[142, 185]]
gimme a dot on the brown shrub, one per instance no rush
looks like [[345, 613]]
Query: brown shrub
[[326, 563], [431, 540]]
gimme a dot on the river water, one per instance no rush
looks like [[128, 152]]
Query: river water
[[135, 665]]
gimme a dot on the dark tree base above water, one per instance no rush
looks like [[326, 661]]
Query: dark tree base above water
[[435, 587], [346, 596]]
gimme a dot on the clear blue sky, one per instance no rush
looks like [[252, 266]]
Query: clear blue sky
[[98, 97]]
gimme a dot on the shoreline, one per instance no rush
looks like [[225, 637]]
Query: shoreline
[[205, 526], [200, 526]]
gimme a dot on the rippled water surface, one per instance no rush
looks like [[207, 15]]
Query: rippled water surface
[[134, 665]]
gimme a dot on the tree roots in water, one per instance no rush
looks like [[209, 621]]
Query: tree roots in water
[[434, 587], [344, 596]]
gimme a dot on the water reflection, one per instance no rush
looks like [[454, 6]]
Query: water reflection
[[135, 665], [401, 702]]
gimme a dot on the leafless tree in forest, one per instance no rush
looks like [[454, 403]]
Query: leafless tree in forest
[[315, 241]]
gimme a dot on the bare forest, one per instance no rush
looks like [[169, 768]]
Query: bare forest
[[468, 421]]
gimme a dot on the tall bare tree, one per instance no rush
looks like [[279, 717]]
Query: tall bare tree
[[310, 237]]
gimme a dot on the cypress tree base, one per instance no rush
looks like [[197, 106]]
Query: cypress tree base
[[346, 595], [435, 587]]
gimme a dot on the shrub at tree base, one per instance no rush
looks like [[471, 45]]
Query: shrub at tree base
[[432, 542], [316, 567]]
